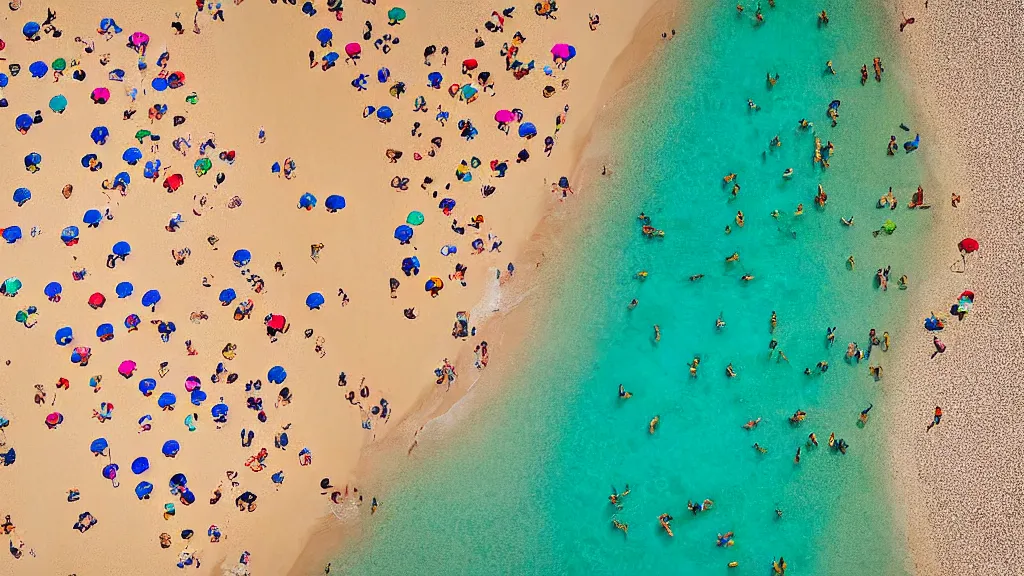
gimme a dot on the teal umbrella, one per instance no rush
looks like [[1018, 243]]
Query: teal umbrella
[[58, 103], [396, 15]]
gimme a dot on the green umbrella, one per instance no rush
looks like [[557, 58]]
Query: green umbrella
[[11, 286], [203, 165], [142, 134], [889, 226], [192, 98], [415, 218], [59, 64], [21, 316], [396, 15]]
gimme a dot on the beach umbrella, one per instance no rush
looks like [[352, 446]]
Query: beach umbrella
[[334, 203], [166, 399], [11, 234], [80, 355], [527, 130], [147, 386], [324, 36], [469, 64], [38, 69], [192, 383], [126, 368], [504, 116], [202, 166], [188, 497], [4, 80], [23, 122], [122, 178], [100, 95], [176, 80], [170, 449], [54, 419], [132, 321], [108, 24], [277, 375], [99, 135], [97, 300], [143, 490], [139, 39], [59, 103], [132, 156], [396, 15], [173, 182], [434, 79], [142, 134], [32, 161], [353, 49], [159, 84], [152, 169], [150, 298], [22, 195], [968, 245], [307, 201], [383, 75], [64, 336], [179, 480], [227, 296], [124, 289], [415, 218], [315, 300], [403, 233], [30, 29], [197, 397], [110, 473], [241, 258], [166, 328], [69, 235], [468, 92], [11, 286], [92, 217], [140, 465], [331, 57], [433, 284], [105, 332], [560, 51], [275, 322], [219, 412], [384, 113], [98, 446], [116, 75], [53, 290], [410, 264]]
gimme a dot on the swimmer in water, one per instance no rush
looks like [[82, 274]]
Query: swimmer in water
[[620, 526], [788, 173], [728, 229], [633, 303], [864, 414], [812, 440], [657, 333], [735, 257], [847, 221], [752, 424], [623, 393], [696, 277], [760, 448], [850, 263], [653, 424], [719, 322], [830, 335], [775, 214], [751, 105], [796, 460], [739, 218], [693, 366], [747, 277], [616, 496], [641, 275], [799, 210], [774, 321], [664, 520], [729, 371]]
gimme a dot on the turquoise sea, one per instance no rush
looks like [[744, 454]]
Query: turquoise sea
[[522, 484]]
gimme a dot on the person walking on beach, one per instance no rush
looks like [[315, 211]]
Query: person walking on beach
[[936, 419], [864, 414], [940, 347]]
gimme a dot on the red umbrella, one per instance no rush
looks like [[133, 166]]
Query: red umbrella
[[173, 182], [469, 64], [968, 245], [968, 294], [100, 95], [276, 321], [97, 300]]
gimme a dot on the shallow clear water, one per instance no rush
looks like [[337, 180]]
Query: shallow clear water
[[521, 487]]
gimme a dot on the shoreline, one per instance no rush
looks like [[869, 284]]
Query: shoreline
[[958, 55], [329, 537]]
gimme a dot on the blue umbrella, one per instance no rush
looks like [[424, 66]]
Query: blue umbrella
[[105, 332], [324, 36], [33, 159], [334, 203], [178, 479], [170, 449], [110, 473], [53, 289], [383, 74], [166, 399], [4, 80], [140, 465], [132, 321], [143, 490], [384, 113], [276, 375], [159, 84], [89, 158], [23, 122], [219, 410], [527, 129], [124, 289], [22, 195], [98, 446], [331, 57], [197, 397], [92, 217], [30, 29], [99, 135], [435, 79], [69, 234], [106, 24], [403, 233], [132, 156], [150, 298], [307, 201], [227, 296], [122, 178], [59, 103], [147, 386], [152, 169], [241, 258], [38, 69], [12, 234], [166, 328], [315, 300], [121, 248]]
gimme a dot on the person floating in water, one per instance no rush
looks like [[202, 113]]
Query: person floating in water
[[864, 414], [623, 393], [616, 497], [752, 424]]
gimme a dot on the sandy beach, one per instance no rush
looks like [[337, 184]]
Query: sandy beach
[[960, 482], [249, 73]]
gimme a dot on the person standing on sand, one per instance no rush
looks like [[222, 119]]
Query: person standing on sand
[[940, 347], [936, 419]]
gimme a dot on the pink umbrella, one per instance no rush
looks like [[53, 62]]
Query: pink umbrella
[[127, 368], [192, 382], [140, 39], [353, 49], [560, 51], [504, 116], [100, 95]]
